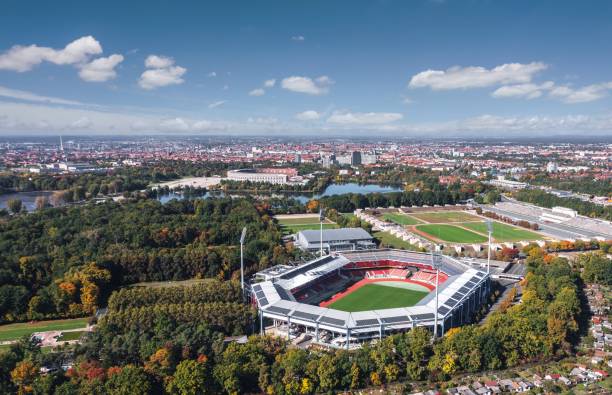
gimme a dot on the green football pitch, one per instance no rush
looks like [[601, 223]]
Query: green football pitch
[[377, 297], [451, 234], [400, 219], [445, 216], [503, 232]]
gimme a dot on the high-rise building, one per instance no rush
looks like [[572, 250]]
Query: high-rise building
[[356, 158]]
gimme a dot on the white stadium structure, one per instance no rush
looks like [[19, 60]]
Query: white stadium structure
[[290, 297]]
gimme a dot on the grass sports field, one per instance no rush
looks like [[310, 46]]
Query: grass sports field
[[451, 233], [15, 331], [503, 232], [377, 296], [295, 224], [401, 219], [446, 216]]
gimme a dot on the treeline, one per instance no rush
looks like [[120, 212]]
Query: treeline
[[548, 200], [579, 183], [440, 195], [314, 185], [231, 318], [208, 291], [64, 262], [162, 355]]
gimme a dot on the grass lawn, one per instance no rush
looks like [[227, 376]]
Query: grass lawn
[[376, 297], [388, 240], [401, 219], [289, 229], [15, 331], [298, 220], [440, 217], [451, 234], [67, 336], [347, 215], [503, 232]]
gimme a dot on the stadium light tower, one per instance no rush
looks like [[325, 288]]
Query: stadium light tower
[[321, 219], [242, 237], [490, 230], [436, 259]]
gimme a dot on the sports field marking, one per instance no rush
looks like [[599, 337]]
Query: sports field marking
[[441, 217], [401, 219], [15, 331], [373, 296], [451, 233], [503, 232]]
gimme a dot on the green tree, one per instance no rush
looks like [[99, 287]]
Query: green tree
[[15, 205], [190, 378], [129, 380]]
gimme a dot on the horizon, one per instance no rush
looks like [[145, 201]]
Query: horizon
[[390, 68]]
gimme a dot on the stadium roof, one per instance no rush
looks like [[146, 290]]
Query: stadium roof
[[274, 297]]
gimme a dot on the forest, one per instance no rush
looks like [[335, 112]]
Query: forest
[[65, 262], [162, 355]]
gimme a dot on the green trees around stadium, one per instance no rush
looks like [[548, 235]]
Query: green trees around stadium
[[596, 268], [64, 262]]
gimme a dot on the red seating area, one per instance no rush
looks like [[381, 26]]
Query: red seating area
[[428, 277], [385, 263], [387, 273]]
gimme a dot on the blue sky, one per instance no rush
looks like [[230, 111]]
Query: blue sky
[[403, 68]]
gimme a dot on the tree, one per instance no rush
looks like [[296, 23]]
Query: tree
[[190, 378], [14, 205], [41, 202], [129, 380], [23, 376]]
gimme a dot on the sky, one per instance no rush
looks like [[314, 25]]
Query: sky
[[427, 68]]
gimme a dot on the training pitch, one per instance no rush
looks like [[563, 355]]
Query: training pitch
[[378, 296], [439, 217], [451, 233], [401, 219]]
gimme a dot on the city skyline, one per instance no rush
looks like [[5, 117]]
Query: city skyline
[[395, 69]]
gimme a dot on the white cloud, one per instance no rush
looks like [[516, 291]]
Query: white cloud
[[33, 97], [101, 69], [529, 91], [263, 120], [319, 86], [309, 115], [257, 92], [212, 74], [162, 72], [298, 38], [269, 83], [158, 62], [363, 118], [476, 77], [201, 126], [217, 104], [581, 95], [19, 58]]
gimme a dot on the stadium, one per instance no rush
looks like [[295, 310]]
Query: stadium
[[348, 298]]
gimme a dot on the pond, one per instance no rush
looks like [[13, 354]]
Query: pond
[[28, 199]]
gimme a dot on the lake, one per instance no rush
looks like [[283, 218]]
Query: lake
[[28, 199], [331, 190]]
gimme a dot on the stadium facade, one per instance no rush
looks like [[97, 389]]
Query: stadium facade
[[290, 296]]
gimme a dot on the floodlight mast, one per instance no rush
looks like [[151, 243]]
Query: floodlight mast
[[242, 237], [435, 260]]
